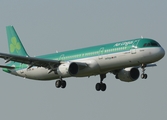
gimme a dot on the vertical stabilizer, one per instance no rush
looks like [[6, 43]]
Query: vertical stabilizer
[[14, 43]]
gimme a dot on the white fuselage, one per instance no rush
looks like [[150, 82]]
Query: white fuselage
[[105, 63]]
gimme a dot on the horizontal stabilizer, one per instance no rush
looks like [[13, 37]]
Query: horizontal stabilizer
[[8, 67], [151, 65], [148, 65]]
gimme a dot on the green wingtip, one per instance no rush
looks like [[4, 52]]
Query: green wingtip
[[6, 70]]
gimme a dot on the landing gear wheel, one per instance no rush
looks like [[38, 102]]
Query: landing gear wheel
[[103, 86], [58, 83], [144, 76], [63, 84], [98, 86]]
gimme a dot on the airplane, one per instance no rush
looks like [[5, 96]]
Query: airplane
[[123, 59]]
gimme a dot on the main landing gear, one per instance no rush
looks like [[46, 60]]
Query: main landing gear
[[143, 75], [60, 83], [101, 86]]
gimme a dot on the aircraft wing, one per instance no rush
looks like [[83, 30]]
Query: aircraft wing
[[31, 61]]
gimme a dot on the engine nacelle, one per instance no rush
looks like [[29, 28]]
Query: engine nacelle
[[75, 67], [62, 70], [70, 69], [128, 74], [78, 69]]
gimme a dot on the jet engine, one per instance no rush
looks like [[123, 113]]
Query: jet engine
[[70, 69], [78, 69], [128, 74], [75, 67], [62, 70]]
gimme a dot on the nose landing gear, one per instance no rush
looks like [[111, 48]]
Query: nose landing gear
[[143, 75]]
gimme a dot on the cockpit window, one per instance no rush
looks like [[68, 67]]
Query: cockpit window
[[154, 44], [147, 45], [151, 44]]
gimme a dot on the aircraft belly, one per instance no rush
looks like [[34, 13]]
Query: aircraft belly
[[37, 74]]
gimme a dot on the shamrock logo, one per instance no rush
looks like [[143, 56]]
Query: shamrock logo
[[14, 46]]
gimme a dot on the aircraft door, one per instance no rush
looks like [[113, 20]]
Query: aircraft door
[[101, 51], [133, 51], [22, 71], [134, 46]]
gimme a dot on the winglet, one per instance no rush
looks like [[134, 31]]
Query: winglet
[[14, 43]]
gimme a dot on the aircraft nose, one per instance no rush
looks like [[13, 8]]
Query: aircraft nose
[[161, 52]]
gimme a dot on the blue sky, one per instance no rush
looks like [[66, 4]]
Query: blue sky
[[50, 26]]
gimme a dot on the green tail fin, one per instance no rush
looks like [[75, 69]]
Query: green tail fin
[[14, 43]]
